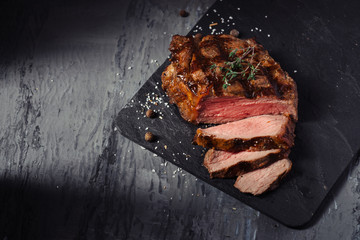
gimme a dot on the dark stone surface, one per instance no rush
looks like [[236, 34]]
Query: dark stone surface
[[325, 142], [67, 68]]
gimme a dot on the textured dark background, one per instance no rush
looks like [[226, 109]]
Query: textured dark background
[[66, 70]]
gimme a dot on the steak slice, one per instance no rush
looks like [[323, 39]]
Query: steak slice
[[255, 133], [197, 89], [228, 109], [264, 179], [223, 164]]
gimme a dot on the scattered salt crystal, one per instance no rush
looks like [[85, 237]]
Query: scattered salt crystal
[[295, 71], [153, 170], [130, 67], [268, 35], [238, 9]]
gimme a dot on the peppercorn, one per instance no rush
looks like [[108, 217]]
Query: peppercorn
[[150, 113], [149, 137], [234, 33], [184, 13]]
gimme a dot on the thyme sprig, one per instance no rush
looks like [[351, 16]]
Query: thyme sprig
[[238, 67]]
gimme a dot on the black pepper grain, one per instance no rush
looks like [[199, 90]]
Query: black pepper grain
[[150, 113], [149, 137], [234, 33], [184, 13]]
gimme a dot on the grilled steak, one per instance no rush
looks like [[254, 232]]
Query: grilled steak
[[192, 83], [255, 133], [264, 179], [220, 79], [223, 164]]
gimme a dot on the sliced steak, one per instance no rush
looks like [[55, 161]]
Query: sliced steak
[[197, 89], [228, 109], [255, 133], [264, 179], [223, 164]]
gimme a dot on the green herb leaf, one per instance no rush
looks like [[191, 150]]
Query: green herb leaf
[[233, 52], [213, 66], [241, 66]]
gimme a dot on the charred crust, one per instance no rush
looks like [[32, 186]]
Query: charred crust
[[236, 144]]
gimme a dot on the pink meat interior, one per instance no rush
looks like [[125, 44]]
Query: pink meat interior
[[258, 126], [223, 159], [229, 109], [258, 181]]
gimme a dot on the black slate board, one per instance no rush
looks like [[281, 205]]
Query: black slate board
[[317, 43]]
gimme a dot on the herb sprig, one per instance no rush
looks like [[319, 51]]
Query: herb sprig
[[238, 66]]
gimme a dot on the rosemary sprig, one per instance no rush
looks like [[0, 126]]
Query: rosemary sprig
[[238, 66]]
